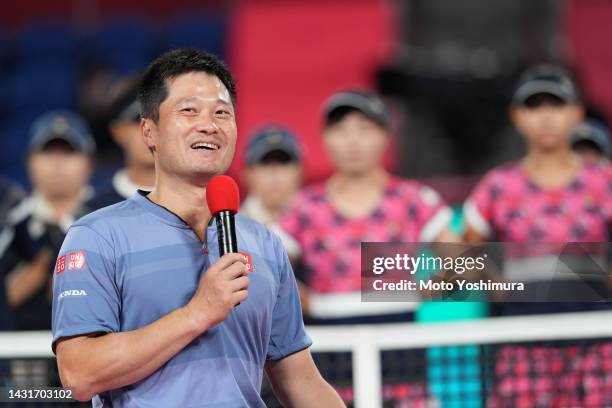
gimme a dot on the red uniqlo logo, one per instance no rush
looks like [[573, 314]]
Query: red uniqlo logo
[[249, 260], [60, 265], [76, 260]]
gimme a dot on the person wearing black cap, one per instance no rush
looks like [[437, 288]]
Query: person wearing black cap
[[546, 108], [273, 175], [60, 162], [361, 201], [550, 196], [124, 127], [591, 141]]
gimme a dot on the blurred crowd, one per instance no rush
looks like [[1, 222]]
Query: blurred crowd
[[560, 191]]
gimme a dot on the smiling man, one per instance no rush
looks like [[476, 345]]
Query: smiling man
[[145, 313]]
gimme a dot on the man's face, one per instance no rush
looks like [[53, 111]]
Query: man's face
[[58, 171], [547, 121], [127, 136], [355, 144], [275, 183], [195, 136]]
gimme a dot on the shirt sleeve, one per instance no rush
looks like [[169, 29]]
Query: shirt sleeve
[[477, 209], [433, 215], [288, 334], [85, 296]]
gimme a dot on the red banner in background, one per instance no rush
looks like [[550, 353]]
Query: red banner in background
[[288, 57]]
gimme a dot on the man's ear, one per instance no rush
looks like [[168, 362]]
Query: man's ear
[[148, 130]]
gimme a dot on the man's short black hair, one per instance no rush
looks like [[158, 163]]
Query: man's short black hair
[[153, 87]]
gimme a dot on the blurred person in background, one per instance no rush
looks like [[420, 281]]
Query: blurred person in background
[[361, 201], [551, 197], [14, 249], [591, 141], [18, 249], [60, 162], [273, 176], [124, 127]]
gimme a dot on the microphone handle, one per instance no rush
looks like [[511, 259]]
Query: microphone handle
[[226, 232]]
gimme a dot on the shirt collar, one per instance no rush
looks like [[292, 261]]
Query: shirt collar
[[162, 213]]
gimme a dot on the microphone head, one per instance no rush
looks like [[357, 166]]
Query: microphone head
[[222, 194]]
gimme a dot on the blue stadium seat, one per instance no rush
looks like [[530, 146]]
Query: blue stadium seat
[[125, 45], [126, 62], [43, 86], [206, 32], [5, 60], [14, 138], [46, 41], [4, 51]]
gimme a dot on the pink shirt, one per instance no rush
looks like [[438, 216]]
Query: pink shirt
[[508, 205], [331, 244]]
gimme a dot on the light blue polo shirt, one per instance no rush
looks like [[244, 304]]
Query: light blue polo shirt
[[127, 265]]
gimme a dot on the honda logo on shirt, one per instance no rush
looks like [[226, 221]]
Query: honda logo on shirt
[[73, 292]]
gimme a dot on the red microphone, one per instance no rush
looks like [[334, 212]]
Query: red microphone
[[223, 199]]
